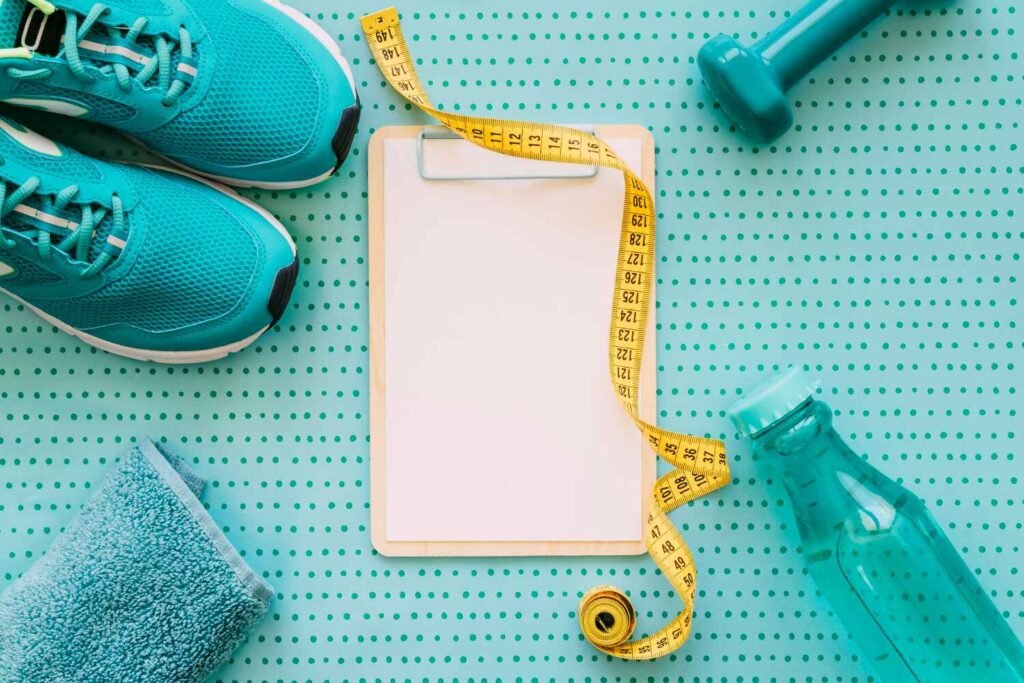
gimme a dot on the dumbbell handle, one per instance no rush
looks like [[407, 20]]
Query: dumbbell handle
[[813, 33]]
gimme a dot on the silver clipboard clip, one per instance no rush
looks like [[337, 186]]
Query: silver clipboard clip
[[551, 170]]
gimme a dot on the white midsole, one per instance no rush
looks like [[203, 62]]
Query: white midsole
[[224, 181], [169, 357], [257, 184]]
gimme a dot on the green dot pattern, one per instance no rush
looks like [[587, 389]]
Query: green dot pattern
[[878, 245]]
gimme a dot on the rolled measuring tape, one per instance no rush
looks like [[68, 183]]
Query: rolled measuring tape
[[607, 617]]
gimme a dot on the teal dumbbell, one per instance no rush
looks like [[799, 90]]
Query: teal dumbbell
[[750, 82]]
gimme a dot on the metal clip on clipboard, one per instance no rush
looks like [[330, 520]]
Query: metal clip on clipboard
[[466, 161]]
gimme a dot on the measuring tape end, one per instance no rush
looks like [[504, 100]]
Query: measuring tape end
[[380, 19], [607, 617]]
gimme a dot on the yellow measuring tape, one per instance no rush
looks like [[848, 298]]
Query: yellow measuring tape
[[607, 618]]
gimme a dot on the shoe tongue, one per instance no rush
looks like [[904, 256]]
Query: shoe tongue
[[22, 24]]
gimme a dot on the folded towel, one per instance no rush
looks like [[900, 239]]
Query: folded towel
[[142, 587]]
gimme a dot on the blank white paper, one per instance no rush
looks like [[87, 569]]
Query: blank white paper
[[501, 421]]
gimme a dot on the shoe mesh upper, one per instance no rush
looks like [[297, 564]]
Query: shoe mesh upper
[[149, 7], [196, 264], [9, 22], [70, 165], [264, 100], [103, 110], [28, 273]]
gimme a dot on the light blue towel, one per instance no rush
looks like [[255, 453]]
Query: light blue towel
[[142, 587]]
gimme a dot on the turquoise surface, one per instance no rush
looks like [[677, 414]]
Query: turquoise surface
[[878, 245]]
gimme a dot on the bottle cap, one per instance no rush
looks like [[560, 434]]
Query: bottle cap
[[771, 401]]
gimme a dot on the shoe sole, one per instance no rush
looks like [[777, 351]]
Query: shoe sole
[[343, 137], [284, 283]]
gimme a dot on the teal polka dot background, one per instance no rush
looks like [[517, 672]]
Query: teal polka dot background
[[878, 245]]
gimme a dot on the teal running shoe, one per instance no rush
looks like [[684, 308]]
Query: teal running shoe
[[248, 92], [141, 262]]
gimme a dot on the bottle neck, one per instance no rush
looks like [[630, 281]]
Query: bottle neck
[[818, 469], [797, 440]]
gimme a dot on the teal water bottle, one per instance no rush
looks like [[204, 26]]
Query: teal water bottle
[[879, 557]]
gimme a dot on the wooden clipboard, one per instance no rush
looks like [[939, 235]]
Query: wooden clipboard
[[459, 166]]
